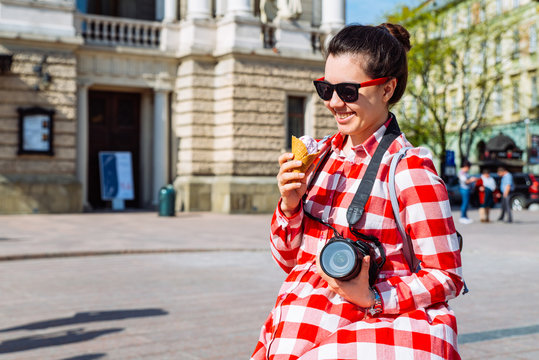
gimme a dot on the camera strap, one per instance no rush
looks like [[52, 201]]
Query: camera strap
[[357, 206]]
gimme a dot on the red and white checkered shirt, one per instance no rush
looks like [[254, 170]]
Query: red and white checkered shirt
[[309, 321]]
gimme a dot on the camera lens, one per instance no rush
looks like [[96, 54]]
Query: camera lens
[[339, 260]]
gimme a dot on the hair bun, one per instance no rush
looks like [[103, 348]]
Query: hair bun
[[399, 32]]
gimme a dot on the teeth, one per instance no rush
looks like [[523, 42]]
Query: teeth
[[343, 115]]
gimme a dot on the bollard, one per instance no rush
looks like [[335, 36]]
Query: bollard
[[167, 200]]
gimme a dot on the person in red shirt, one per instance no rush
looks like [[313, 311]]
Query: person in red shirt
[[486, 187], [404, 314]]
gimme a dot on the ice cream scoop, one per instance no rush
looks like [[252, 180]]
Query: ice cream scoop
[[306, 150]]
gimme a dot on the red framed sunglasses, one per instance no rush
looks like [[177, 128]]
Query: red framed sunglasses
[[348, 92]]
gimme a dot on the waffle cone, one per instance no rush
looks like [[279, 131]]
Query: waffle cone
[[300, 153]]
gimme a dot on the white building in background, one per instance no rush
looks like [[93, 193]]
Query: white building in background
[[204, 94]]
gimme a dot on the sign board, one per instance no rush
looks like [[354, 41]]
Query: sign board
[[116, 173], [35, 131]]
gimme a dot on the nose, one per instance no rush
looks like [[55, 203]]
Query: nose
[[335, 100]]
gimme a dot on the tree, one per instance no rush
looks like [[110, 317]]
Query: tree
[[426, 114], [443, 66]]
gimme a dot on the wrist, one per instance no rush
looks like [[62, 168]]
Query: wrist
[[289, 211], [376, 307]]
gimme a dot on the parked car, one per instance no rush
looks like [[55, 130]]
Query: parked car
[[526, 191], [452, 185]]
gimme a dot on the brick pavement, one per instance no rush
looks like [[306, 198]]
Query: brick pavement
[[194, 303]]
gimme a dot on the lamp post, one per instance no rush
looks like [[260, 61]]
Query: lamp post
[[528, 144]]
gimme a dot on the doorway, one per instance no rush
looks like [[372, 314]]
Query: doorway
[[114, 125]]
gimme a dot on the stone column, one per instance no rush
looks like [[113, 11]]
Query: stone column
[[198, 9], [82, 141], [239, 8], [160, 142], [333, 15], [170, 10]]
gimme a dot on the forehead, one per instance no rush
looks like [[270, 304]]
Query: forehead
[[345, 68]]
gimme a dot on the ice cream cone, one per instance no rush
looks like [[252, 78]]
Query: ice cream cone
[[301, 153]]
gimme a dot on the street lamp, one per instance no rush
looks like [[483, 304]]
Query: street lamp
[[528, 144]]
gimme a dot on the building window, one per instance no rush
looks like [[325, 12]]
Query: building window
[[533, 39], [516, 44], [295, 121], [498, 50], [499, 7], [516, 4], [482, 15], [498, 100], [535, 95], [516, 98], [455, 21], [453, 108]]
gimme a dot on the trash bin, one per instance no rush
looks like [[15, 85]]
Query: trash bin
[[167, 200]]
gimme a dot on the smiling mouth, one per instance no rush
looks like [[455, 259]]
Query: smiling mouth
[[343, 116]]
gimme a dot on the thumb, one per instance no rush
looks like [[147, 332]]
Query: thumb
[[366, 263]]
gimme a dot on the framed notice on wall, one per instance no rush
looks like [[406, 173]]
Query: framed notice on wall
[[35, 131]]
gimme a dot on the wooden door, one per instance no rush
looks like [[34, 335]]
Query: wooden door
[[114, 125]]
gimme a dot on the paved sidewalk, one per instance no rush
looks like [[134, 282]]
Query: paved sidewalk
[[23, 236], [202, 285]]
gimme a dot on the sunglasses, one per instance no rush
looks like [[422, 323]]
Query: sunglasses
[[348, 92]]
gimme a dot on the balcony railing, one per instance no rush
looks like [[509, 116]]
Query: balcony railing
[[270, 41], [112, 31]]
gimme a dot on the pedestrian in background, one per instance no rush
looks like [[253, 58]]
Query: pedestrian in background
[[486, 185], [465, 187], [507, 186], [403, 313]]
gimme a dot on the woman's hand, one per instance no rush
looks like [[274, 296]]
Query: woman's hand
[[292, 185], [357, 290]]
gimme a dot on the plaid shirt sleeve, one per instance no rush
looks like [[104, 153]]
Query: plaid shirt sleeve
[[426, 214], [286, 236]]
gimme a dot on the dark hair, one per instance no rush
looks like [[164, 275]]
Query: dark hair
[[384, 48], [466, 163]]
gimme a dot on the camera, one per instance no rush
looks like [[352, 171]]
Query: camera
[[341, 259]]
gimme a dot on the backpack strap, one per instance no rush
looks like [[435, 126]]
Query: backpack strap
[[408, 250]]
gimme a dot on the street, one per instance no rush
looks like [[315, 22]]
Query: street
[[200, 285]]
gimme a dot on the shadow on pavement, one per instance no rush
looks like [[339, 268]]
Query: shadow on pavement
[[54, 339], [498, 334], [87, 317], [86, 357]]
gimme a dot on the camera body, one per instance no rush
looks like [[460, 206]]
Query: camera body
[[341, 259]]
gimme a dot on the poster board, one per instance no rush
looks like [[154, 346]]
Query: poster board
[[35, 131], [116, 174]]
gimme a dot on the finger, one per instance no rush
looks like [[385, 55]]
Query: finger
[[285, 157], [286, 188], [290, 165], [364, 273], [291, 177]]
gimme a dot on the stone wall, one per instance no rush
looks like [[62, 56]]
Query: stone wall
[[34, 183], [230, 117]]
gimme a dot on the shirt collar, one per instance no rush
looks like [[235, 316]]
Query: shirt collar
[[369, 146]]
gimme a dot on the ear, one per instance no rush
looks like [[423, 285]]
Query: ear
[[389, 89]]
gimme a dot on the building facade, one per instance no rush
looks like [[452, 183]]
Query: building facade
[[202, 94], [487, 84]]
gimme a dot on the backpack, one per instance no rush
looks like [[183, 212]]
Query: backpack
[[407, 247]]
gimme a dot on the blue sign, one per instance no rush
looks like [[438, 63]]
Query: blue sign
[[116, 175], [449, 158]]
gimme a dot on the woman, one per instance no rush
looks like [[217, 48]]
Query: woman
[[486, 186], [405, 314]]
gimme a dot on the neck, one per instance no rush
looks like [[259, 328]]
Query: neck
[[353, 140]]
